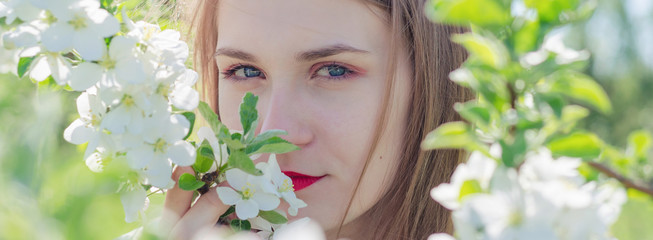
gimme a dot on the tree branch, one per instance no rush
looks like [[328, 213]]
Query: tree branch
[[625, 181]]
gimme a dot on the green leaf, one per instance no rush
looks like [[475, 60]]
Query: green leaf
[[588, 172], [491, 86], [273, 217], [238, 159], [229, 211], [449, 135], [248, 113], [106, 4], [551, 10], [236, 136], [205, 158], [240, 225], [268, 134], [580, 144], [583, 88], [224, 136], [469, 187], [191, 118], [526, 39], [473, 112], [274, 144], [130, 4], [573, 113], [211, 118], [513, 149], [188, 182], [463, 12], [24, 64], [488, 50], [639, 143], [554, 101]]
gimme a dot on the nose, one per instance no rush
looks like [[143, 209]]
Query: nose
[[282, 108]]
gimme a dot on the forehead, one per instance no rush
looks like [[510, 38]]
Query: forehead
[[301, 24]]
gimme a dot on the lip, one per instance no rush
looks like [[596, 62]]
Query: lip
[[301, 181]]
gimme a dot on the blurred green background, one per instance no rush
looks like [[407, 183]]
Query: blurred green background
[[49, 193]]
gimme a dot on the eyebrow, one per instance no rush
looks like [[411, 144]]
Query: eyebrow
[[304, 56]]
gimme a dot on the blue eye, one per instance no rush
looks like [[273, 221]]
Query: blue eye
[[332, 71], [242, 72], [248, 72]]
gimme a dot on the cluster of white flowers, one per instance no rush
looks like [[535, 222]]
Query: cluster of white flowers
[[253, 193], [129, 88], [546, 198]]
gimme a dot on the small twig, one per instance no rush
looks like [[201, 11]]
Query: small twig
[[625, 181], [150, 194]]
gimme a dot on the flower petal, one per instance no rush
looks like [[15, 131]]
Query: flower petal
[[185, 98], [236, 178], [83, 105], [58, 36], [130, 70], [292, 211], [189, 78], [40, 69], [94, 162], [182, 153], [116, 119], [121, 47], [228, 196], [266, 201], [133, 202], [90, 46], [440, 236], [159, 172], [78, 132], [246, 209], [261, 224], [85, 75], [60, 69], [178, 127], [105, 24], [139, 157]]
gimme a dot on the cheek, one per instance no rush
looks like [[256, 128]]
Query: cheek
[[229, 104], [385, 159], [346, 127]]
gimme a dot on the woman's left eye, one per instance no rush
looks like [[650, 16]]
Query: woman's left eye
[[247, 72], [243, 72], [333, 71]]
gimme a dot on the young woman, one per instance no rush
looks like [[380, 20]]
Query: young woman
[[357, 85]]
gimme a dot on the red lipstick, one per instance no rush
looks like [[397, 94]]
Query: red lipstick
[[301, 181]]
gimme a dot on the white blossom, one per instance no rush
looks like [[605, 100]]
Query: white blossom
[[478, 168], [183, 96], [134, 201], [161, 148], [21, 9], [51, 64], [82, 25], [118, 65], [25, 35], [248, 197], [87, 127], [546, 199], [283, 186]]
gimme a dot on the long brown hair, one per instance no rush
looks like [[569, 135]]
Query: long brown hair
[[406, 210]]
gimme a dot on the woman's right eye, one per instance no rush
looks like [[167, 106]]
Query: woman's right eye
[[243, 72]]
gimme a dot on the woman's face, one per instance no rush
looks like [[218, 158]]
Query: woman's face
[[319, 68]]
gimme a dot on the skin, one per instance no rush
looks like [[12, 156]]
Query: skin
[[333, 121]]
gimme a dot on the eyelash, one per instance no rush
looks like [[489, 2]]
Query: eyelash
[[231, 71]]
